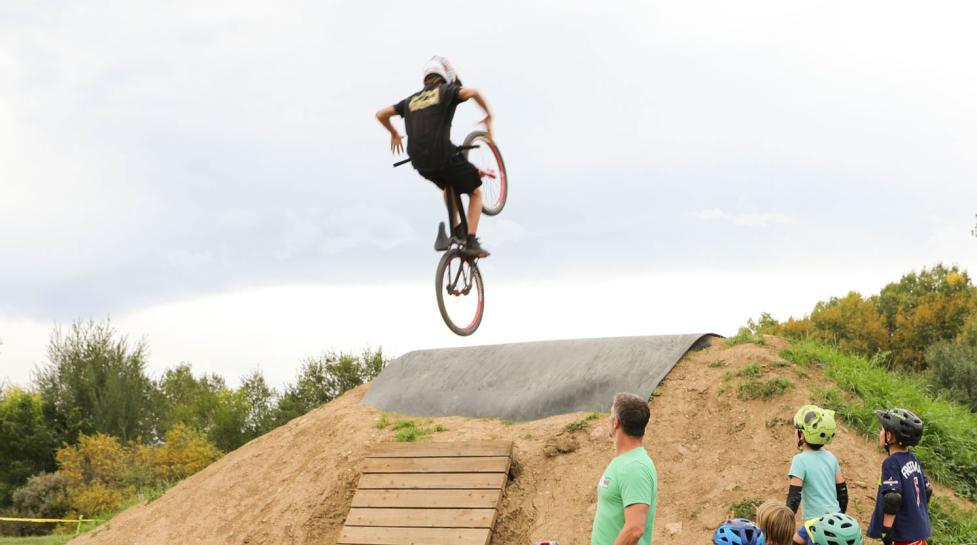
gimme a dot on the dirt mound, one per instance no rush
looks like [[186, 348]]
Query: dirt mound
[[295, 484]]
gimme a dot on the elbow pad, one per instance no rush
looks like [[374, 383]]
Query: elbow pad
[[891, 502], [794, 497], [842, 491]]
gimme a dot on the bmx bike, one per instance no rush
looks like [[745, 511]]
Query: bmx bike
[[458, 282]]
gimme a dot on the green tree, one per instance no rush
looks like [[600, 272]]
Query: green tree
[[261, 404], [324, 378], [94, 382], [27, 444], [953, 371], [186, 399]]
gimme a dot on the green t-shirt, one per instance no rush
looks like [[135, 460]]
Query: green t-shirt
[[817, 468], [629, 479]]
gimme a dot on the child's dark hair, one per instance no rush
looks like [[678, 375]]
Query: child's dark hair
[[433, 79]]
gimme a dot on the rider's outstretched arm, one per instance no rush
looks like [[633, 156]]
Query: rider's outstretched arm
[[383, 116], [466, 93]]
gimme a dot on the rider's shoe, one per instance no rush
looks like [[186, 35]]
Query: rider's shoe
[[473, 248]]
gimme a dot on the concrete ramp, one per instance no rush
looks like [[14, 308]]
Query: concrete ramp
[[527, 381]]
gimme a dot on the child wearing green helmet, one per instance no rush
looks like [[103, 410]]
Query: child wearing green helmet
[[830, 529], [815, 475]]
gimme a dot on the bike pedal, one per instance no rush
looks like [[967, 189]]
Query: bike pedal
[[442, 243]]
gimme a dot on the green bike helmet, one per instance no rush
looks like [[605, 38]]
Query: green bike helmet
[[834, 529], [817, 424]]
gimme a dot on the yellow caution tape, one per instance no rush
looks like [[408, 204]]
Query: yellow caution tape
[[10, 519]]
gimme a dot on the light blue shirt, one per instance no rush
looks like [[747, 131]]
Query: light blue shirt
[[817, 468]]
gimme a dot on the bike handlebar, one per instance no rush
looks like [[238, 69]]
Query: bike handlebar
[[459, 150]]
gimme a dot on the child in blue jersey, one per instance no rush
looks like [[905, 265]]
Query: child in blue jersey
[[901, 515], [815, 475]]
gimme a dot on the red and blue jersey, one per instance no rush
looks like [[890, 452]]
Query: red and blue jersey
[[902, 472]]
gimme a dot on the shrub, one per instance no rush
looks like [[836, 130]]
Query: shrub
[[745, 335], [953, 371], [745, 508], [44, 496]]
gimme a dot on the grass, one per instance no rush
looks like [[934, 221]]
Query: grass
[[952, 525], [948, 450], [745, 508], [718, 363], [775, 421], [752, 370], [36, 540], [408, 430], [576, 425], [754, 389], [744, 335], [381, 422]]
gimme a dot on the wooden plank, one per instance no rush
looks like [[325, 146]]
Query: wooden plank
[[432, 480], [442, 450], [493, 464], [440, 499], [364, 535], [422, 518]]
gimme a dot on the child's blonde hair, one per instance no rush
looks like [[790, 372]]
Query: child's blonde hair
[[776, 520]]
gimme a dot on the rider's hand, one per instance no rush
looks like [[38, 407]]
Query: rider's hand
[[488, 125], [396, 143]]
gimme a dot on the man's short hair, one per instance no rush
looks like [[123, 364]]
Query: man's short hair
[[431, 79], [632, 412]]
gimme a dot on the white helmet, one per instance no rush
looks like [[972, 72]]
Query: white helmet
[[442, 67]]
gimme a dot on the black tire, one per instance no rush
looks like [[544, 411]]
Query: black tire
[[446, 301], [495, 192]]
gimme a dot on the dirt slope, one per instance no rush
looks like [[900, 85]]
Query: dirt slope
[[294, 485]]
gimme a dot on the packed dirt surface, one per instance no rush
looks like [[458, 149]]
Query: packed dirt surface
[[294, 485]]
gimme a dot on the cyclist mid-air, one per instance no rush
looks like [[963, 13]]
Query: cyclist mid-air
[[427, 117]]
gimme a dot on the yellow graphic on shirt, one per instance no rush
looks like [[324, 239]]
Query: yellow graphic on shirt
[[425, 99]]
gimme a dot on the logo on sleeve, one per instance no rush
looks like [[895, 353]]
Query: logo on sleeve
[[604, 482]]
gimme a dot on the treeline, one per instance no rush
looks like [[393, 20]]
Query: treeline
[[93, 431], [925, 323]]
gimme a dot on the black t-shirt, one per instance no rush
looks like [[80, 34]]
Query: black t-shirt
[[427, 115]]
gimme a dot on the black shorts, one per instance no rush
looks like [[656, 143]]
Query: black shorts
[[458, 173]]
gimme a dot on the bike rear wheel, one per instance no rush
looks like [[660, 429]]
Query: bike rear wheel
[[487, 156], [461, 295]]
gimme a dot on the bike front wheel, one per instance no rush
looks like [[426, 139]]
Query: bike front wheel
[[487, 157], [461, 295]]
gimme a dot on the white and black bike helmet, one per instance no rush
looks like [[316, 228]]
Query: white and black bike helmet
[[442, 67]]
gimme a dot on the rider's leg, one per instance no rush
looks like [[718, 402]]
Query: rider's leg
[[474, 210]]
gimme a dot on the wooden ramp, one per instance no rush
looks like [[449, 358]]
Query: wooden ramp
[[428, 494]]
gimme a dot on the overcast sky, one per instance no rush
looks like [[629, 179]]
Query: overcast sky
[[211, 177]]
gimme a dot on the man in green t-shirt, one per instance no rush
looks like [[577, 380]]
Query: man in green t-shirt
[[628, 490]]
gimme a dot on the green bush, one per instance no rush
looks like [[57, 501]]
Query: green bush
[[745, 335], [948, 450], [745, 508], [952, 370]]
